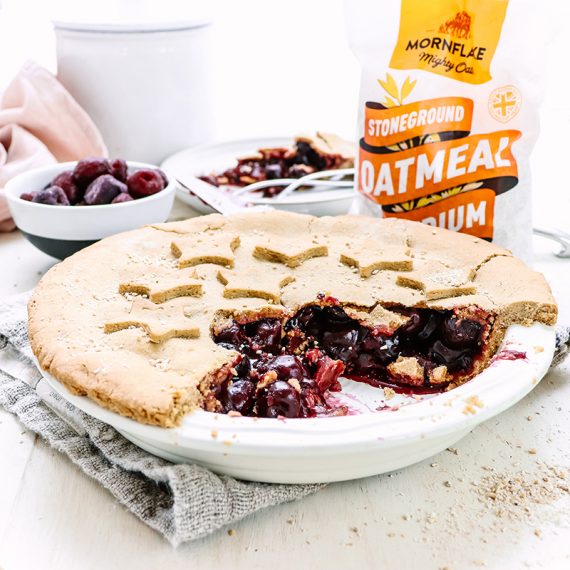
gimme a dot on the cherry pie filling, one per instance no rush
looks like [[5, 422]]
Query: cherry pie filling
[[287, 368], [275, 163]]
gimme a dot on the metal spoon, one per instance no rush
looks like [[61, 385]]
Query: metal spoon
[[559, 236]]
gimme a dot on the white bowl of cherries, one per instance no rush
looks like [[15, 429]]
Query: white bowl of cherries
[[65, 207]]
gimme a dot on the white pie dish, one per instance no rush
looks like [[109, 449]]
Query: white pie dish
[[349, 447], [205, 159]]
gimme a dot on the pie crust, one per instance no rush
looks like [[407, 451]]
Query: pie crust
[[134, 322]]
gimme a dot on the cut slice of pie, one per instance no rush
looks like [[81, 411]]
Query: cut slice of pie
[[259, 314], [308, 154]]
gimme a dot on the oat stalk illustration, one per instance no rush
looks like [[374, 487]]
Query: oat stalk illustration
[[396, 95]]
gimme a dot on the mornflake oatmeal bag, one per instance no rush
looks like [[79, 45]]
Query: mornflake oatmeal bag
[[448, 113]]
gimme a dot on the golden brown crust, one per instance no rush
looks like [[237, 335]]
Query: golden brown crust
[[328, 144], [152, 359]]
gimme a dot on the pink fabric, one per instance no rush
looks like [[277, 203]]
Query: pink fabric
[[41, 123]]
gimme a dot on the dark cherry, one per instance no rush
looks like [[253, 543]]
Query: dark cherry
[[383, 349], [280, 399], [264, 335], [365, 364], [307, 155], [122, 197], [243, 367], [273, 171], [145, 182], [230, 337], [337, 344], [286, 366], [431, 323], [27, 196], [455, 360], [89, 169], [103, 190], [335, 318], [312, 405], [302, 319], [163, 176], [311, 321], [240, 397], [309, 384], [299, 170], [119, 169], [340, 345], [371, 343], [316, 321], [421, 326], [414, 325], [66, 181], [388, 352], [460, 333], [52, 196]]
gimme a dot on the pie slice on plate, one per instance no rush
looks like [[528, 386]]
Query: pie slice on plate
[[260, 313], [308, 154]]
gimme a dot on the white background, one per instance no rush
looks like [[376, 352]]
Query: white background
[[282, 67]]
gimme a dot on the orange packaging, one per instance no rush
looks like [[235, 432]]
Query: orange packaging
[[448, 113]]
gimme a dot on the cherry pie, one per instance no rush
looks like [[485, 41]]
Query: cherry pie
[[309, 154], [259, 314]]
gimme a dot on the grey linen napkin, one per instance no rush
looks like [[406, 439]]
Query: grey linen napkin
[[181, 502]]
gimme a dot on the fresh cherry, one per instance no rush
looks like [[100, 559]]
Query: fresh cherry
[[66, 181], [145, 182], [119, 169], [163, 176], [103, 190], [53, 196], [122, 197], [89, 169]]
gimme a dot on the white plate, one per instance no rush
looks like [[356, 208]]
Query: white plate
[[208, 158], [367, 442]]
